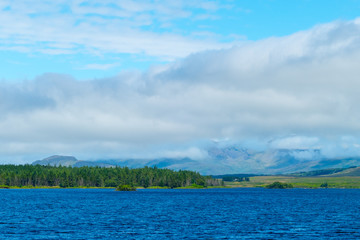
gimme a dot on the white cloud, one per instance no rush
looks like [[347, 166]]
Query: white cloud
[[70, 27], [305, 84], [295, 142]]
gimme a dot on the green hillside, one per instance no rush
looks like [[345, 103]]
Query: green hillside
[[350, 172], [326, 178], [322, 172]]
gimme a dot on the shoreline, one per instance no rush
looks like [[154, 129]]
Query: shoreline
[[167, 188], [58, 187]]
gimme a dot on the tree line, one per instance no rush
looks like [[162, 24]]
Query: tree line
[[42, 176]]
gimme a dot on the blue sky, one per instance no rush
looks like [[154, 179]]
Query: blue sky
[[99, 79], [74, 37]]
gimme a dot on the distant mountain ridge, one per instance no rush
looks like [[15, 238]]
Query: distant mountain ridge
[[225, 160], [67, 161], [57, 160]]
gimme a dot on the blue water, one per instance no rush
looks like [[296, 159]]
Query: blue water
[[180, 214]]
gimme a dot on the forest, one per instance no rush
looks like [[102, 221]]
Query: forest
[[50, 176]]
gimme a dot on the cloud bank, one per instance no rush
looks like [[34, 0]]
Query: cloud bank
[[305, 85]]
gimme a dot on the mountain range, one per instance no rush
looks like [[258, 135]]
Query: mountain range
[[226, 160]]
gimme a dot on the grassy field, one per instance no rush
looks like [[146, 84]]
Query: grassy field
[[300, 182]]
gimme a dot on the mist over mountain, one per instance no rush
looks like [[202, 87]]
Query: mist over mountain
[[225, 160], [57, 160]]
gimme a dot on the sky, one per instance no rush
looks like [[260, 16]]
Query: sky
[[145, 79]]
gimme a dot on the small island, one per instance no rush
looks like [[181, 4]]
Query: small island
[[279, 185], [125, 188]]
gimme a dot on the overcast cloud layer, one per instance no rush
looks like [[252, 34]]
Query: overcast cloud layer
[[305, 86]]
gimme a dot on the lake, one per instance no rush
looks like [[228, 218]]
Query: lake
[[180, 214]]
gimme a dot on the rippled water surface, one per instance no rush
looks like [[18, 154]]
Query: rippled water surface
[[180, 214]]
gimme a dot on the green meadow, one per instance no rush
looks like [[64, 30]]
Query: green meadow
[[301, 182]]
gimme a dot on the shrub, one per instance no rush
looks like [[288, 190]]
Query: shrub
[[279, 185], [324, 185], [196, 186], [125, 188]]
